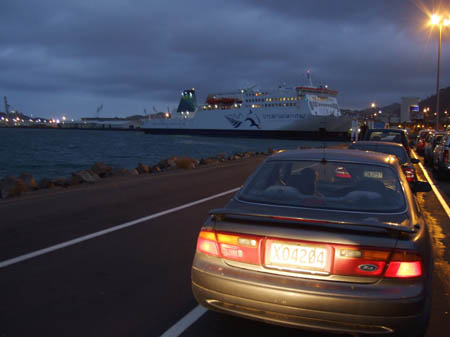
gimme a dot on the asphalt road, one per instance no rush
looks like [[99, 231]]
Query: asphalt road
[[136, 281]]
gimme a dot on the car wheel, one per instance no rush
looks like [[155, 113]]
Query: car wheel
[[433, 165], [440, 174]]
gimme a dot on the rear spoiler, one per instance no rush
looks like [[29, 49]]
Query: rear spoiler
[[223, 213]]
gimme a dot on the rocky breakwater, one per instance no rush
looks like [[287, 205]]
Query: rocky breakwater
[[12, 186]]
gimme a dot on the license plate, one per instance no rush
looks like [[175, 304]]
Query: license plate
[[373, 174], [297, 256]]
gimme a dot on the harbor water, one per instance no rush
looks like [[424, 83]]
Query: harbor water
[[55, 153]]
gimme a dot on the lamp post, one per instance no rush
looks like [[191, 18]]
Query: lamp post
[[437, 19]]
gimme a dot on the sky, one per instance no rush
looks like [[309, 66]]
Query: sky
[[70, 57]]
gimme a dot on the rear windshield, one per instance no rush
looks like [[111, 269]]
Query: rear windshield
[[386, 136], [330, 185], [397, 151]]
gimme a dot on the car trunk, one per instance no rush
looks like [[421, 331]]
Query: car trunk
[[357, 249]]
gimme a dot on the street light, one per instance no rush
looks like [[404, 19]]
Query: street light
[[437, 19]]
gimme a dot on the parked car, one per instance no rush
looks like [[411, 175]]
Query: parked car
[[325, 239], [430, 143], [389, 135], [420, 140], [396, 149], [441, 162]]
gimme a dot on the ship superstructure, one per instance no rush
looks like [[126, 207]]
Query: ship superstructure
[[288, 112]]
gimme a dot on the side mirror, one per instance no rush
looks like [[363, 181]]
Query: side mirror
[[421, 186], [415, 161]]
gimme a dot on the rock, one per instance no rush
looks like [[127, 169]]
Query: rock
[[133, 172], [46, 183], [221, 157], [87, 176], [271, 151], [11, 187], [172, 162], [168, 164], [74, 180], [61, 181], [119, 171], [210, 161], [186, 163], [143, 169], [28, 181], [102, 170], [156, 169]]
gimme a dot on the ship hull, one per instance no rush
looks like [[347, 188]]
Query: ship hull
[[274, 134]]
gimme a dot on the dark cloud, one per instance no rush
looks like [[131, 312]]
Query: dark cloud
[[70, 56]]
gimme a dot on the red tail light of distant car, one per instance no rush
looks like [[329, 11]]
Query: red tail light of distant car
[[410, 173]]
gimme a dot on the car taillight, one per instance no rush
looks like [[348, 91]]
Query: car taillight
[[369, 262], [341, 172], [359, 261], [230, 246], [404, 264], [445, 156], [348, 260], [207, 243], [409, 173]]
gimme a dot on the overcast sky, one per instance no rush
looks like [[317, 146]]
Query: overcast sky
[[67, 57]]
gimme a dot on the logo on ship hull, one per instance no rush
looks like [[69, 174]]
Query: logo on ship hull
[[250, 120]]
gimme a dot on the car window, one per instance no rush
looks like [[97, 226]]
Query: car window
[[330, 185], [386, 136], [429, 137], [438, 139], [397, 151]]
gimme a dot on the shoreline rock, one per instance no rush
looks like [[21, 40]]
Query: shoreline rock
[[11, 186]]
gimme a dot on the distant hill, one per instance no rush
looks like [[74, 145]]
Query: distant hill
[[444, 101], [388, 110], [394, 109]]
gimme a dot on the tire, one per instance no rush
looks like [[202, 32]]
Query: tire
[[440, 174]]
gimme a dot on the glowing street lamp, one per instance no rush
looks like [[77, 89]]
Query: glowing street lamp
[[438, 20]]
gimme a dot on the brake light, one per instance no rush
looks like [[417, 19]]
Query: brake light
[[409, 173], [445, 156], [348, 260], [342, 172], [404, 264], [207, 243], [230, 246], [359, 261]]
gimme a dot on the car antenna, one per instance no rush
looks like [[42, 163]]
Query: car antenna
[[324, 143], [323, 161]]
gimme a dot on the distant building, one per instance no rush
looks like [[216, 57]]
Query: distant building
[[410, 110]]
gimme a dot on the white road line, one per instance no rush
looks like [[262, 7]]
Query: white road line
[[184, 323], [31, 255], [434, 188]]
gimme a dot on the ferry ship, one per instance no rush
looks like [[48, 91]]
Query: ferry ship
[[298, 112]]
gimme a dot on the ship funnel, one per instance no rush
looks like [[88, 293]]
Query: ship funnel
[[188, 101], [308, 77]]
